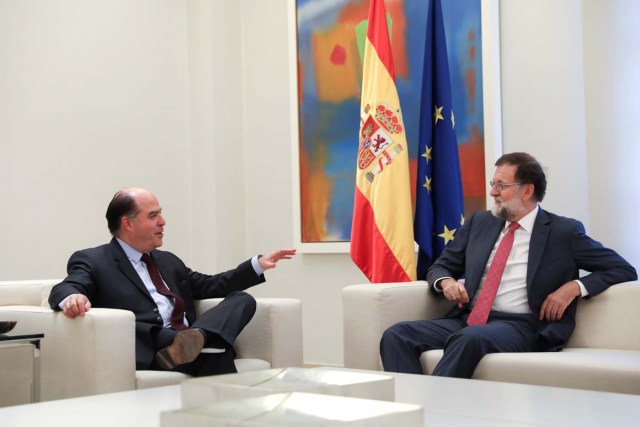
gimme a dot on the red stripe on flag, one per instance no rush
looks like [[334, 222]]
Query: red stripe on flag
[[378, 35], [369, 250]]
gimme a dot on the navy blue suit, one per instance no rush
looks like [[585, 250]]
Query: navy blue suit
[[558, 250], [105, 275]]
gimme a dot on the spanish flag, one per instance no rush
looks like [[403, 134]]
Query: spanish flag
[[382, 229]]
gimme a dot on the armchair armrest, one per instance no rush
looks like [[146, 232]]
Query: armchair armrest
[[83, 356], [370, 309], [274, 334]]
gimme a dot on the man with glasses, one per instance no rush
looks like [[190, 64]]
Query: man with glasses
[[520, 266]]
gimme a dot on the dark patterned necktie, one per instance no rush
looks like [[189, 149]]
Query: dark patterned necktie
[[481, 310], [177, 316]]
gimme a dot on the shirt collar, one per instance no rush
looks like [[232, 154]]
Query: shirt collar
[[132, 254], [527, 221]]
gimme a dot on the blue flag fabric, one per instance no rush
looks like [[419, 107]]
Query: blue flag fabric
[[439, 202]]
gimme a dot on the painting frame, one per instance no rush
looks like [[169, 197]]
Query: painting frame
[[490, 20]]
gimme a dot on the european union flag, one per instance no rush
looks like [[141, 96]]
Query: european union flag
[[439, 202]]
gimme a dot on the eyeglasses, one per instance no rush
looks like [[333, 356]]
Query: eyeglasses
[[500, 186]]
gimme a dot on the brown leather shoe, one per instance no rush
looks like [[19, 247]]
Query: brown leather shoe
[[186, 346]]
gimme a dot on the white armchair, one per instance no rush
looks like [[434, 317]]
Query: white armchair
[[96, 354], [602, 354]]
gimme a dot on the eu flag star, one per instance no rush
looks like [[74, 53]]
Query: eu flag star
[[427, 183], [427, 153], [447, 235], [437, 114]]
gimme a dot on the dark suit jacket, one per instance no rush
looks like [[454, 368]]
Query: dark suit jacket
[[105, 275], [559, 248]]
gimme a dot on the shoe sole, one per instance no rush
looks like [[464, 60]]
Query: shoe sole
[[186, 347]]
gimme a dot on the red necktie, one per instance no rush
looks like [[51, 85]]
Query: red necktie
[[481, 310], [177, 316]]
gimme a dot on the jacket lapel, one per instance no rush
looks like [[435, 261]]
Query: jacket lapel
[[482, 250], [539, 236], [124, 265]]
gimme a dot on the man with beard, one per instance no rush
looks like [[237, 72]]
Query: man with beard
[[521, 285]]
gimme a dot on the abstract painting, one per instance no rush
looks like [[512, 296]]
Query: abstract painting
[[329, 73]]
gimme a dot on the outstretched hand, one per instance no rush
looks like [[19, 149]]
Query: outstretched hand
[[557, 302], [269, 261]]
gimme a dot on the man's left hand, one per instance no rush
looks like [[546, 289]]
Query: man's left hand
[[269, 261], [557, 302]]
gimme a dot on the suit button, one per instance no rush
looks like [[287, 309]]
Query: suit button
[[159, 319], [155, 309]]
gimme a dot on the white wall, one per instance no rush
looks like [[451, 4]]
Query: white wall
[[217, 224], [612, 61], [571, 97], [543, 96], [191, 99], [92, 98], [316, 279]]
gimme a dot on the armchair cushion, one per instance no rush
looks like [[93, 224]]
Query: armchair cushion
[[26, 292], [148, 379]]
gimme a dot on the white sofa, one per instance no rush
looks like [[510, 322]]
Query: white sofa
[[96, 353], [602, 354]]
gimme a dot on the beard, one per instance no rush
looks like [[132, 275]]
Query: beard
[[509, 211]]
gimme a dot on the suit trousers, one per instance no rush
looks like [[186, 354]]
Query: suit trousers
[[464, 346], [221, 324]]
